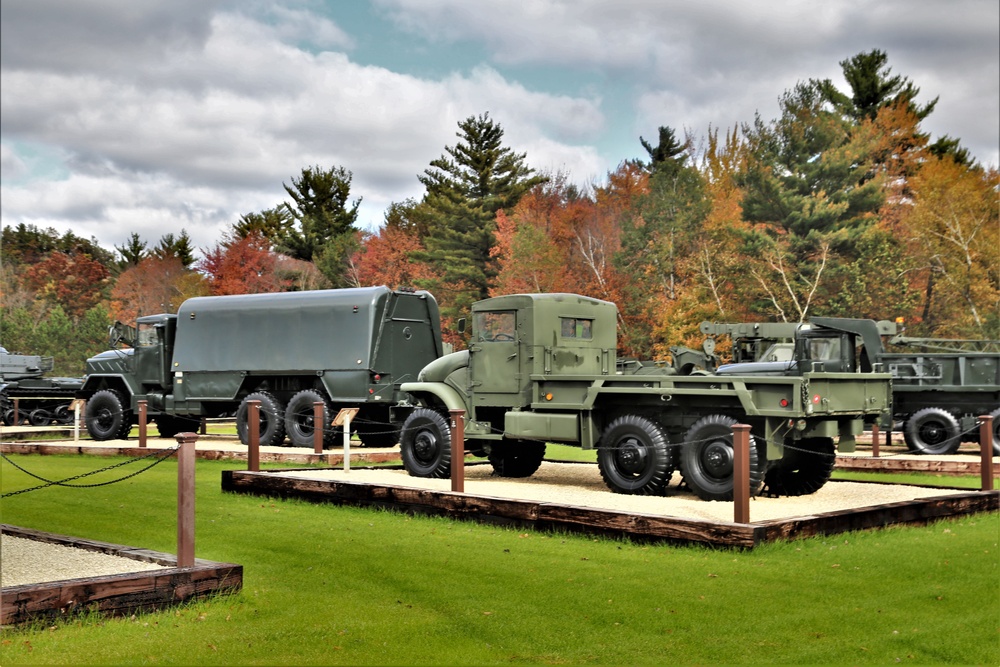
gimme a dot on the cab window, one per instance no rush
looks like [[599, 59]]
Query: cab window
[[497, 325], [576, 327], [146, 336]]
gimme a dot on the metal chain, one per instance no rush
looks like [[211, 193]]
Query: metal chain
[[167, 454]]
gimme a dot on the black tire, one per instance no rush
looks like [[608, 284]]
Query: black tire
[[516, 458], [39, 417], [996, 431], [634, 456], [8, 417], [106, 416], [802, 470], [707, 459], [62, 415], [425, 444], [168, 425], [378, 435], [932, 431], [300, 419], [272, 419]]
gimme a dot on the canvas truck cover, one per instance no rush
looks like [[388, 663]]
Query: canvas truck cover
[[312, 331]]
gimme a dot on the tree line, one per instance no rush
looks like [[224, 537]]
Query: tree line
[[841, 206]]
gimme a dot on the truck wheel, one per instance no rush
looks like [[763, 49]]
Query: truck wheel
[[272, 421], [932, 431], [378, 435], [802, 470], [996, 431], [634, 456], [106, 416], [707, 459], [168, 425], [516, 458], [425, 444], [300, 421]]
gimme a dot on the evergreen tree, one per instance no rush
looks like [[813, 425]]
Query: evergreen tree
[[272, 224], [465, 188], [179, 247], [873, 86], [319, 212], [132, 251]]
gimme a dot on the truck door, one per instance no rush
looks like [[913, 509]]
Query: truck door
[[494, 359]]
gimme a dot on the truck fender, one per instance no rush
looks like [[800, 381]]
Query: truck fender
[[442, 392]]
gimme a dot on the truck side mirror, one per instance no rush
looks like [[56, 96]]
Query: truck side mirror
[[460, 325]]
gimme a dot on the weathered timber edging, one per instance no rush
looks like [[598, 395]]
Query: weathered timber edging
[[553, 516], [332, 458], [927, 464], [117, 594]]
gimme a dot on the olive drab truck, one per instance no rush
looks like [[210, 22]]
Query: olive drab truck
[[289, 350], [939, 386], [41, 400], [543, 368]]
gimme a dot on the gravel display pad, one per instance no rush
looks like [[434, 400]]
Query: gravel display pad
[[569, 496], [24, 561], [47, 575], [580, 485]]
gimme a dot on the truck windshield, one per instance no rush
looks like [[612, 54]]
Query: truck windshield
[[499, 325], [824, 349]]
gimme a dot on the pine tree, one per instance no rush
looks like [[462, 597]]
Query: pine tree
[[465, 188]]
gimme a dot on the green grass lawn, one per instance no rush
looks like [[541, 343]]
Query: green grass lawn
[[336, 585]]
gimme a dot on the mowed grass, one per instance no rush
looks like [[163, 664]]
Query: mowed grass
[[335, 585]]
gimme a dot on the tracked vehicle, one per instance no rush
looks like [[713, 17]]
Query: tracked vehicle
[[41, 400]]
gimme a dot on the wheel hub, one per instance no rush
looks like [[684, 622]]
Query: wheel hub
[[718, 459], [631, 456], [425, 445]]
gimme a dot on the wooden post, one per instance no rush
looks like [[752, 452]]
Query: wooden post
[[253, 435], [741, 473], [457, 450], [204, 426], [318, 427], [185, 499], [986, 452], [142, 423], [875, 440]]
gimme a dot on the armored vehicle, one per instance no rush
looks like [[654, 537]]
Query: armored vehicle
[[40, 400], [938, 391], [543, 368], [341, 348]]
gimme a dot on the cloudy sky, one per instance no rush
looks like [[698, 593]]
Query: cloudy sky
[[160, 115]]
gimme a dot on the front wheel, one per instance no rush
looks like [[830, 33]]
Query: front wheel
[[271, 419], [425, 444], [707, 460], [106, 416], [932, 431], [634, 456]]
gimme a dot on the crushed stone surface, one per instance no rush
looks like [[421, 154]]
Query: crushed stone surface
[[581, 485], [27, 561]]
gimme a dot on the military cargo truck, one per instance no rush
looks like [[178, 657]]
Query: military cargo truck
[[40, 400], [543, 368], [938, 392], [343, 348]]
